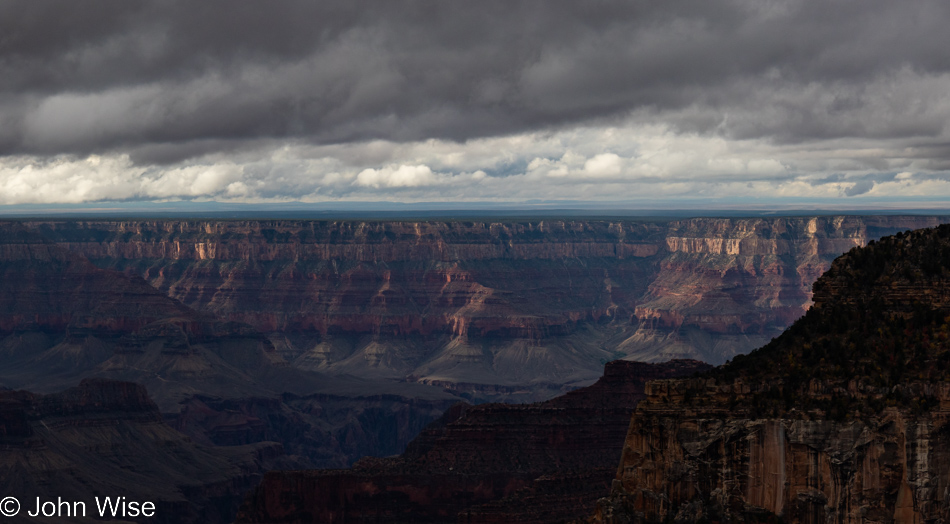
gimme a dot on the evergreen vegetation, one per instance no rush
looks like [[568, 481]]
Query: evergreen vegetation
[[878, 336]]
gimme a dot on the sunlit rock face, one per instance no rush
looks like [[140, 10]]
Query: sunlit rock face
[[480, 305], [845, 418]]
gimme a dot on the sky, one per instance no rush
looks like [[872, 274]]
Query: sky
[[685, 103]]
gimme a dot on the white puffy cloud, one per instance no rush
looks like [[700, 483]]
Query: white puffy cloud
[[604, 165], [25, 180], [192, 181], [402, 176], [633, 162]]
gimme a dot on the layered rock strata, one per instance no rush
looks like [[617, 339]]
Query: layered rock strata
[[525, 461], [843, 419], [63, 320], [48, 288], [488, 304]]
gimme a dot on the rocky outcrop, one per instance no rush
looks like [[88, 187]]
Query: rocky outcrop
[[843, 419], [524, 461], [106, 438]]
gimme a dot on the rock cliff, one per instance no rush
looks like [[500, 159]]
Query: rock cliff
[[487, 463], [478, 306], [48, 288], [63, 320], [843, 419]]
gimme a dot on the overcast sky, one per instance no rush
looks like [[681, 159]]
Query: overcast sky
[[749, 101]]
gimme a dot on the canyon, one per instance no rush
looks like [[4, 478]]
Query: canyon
[[319, 343], [843, 419], [65, 320], [535, 463], [510, 311]]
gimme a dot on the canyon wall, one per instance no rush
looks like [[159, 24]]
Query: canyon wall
[[536, 463], [496, 306], [845, 418], [63, 320]]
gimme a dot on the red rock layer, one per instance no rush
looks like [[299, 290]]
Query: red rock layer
[[518, 457], [752, 275], [48, 288], [508, 281]]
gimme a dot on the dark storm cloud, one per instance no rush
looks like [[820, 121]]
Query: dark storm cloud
[[859, 188], [173, 79]]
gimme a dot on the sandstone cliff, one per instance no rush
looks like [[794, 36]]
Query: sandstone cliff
[[844, 418], [531, 305], [488, 463]]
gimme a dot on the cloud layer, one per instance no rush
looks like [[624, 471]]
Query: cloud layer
[[485, 100]]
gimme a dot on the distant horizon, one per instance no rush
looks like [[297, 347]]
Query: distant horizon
[[428, 210]]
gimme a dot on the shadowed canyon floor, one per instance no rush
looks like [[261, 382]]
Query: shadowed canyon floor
[[107, 439], [537, 463]]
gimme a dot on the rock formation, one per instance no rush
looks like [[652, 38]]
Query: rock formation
[[487, 463], [48, 288], [845, 418], [63, 320], [517, 311], [243, 332]]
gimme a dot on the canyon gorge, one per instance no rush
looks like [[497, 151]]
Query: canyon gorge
[[844, 418], [535, 463], [513, 311], [311, 344]]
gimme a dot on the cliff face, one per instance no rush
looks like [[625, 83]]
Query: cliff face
[[107, 438], [514, 304], [844, 418], [372, 278], [488, 463], [63, 320], [46, 287]]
